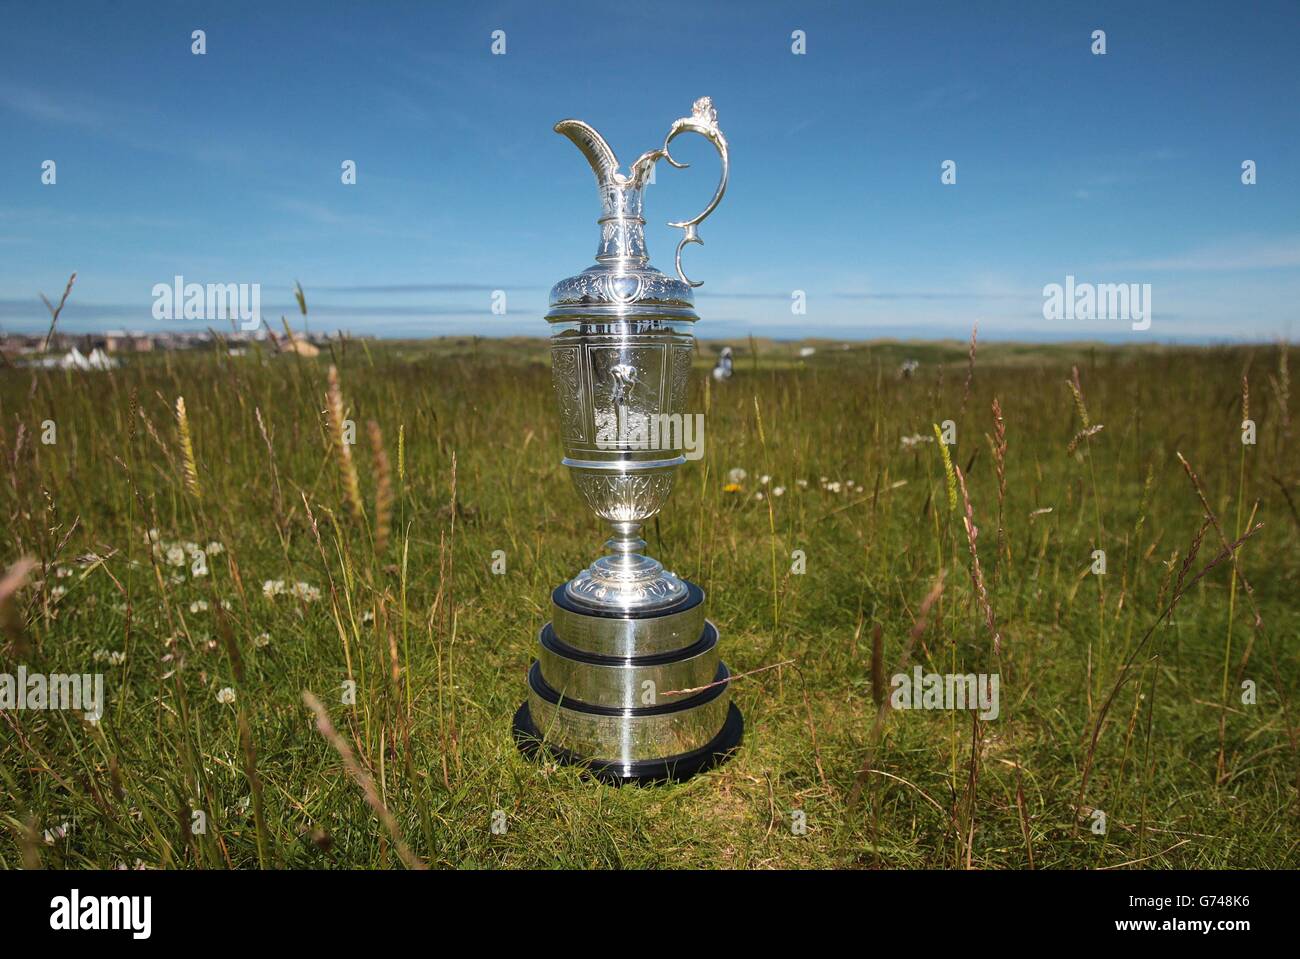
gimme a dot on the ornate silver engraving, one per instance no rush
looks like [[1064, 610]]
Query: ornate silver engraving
[[624, 497], [621, 360], [680, 377], [659, 589], [566, 377], [590, 288]]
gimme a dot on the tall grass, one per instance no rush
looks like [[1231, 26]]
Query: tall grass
[[361, 573]]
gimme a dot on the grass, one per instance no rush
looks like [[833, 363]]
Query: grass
[[399, 531]]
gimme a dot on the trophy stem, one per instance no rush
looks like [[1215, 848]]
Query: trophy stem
[[626, 579], [626, 543]]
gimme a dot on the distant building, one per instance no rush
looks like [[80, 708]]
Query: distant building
[[120, 341]]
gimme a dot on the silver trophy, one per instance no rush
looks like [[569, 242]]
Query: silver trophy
[[628, 680]]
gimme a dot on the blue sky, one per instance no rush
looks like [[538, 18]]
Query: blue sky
[[225, 168]]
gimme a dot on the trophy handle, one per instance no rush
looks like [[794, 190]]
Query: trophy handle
[[704, 121]]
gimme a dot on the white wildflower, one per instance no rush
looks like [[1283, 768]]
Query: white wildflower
[[736, 475], [262, 641], [199, 606], [778, 490], [58, 832], [175, 556], [226, 695]]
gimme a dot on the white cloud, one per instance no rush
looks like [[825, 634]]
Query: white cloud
[[1283, 253]]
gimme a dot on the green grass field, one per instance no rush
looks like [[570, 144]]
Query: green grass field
[[400, 599]]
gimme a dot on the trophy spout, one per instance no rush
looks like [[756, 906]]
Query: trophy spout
[[593, 146], [622, 226], [622, 234]]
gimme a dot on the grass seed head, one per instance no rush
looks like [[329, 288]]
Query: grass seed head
[[1076, 388], [383, 488], [343, 449], [187, 449], [947, 468]]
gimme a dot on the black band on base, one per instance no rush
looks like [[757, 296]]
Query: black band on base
[[642, 772]]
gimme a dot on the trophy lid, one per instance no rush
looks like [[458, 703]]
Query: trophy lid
[[622, 284]]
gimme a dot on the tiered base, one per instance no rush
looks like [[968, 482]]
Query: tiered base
[[632, 698]]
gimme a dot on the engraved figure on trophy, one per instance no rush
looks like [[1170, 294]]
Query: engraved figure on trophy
[[619, 420], [625, 377], [624, 628]]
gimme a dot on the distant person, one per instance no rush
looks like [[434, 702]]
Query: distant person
[[723, 370]]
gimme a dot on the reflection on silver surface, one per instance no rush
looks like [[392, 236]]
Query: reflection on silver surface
[[627, 683], [627, 735], [628, 636]]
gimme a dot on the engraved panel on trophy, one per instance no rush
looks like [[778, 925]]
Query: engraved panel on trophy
[[680, 376], [566, 376], [627, 390], [624, 497]]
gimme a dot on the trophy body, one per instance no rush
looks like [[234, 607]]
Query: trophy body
[[628, 679]]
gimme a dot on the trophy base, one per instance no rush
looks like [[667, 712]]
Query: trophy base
[[642, 772], [639, 698]]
